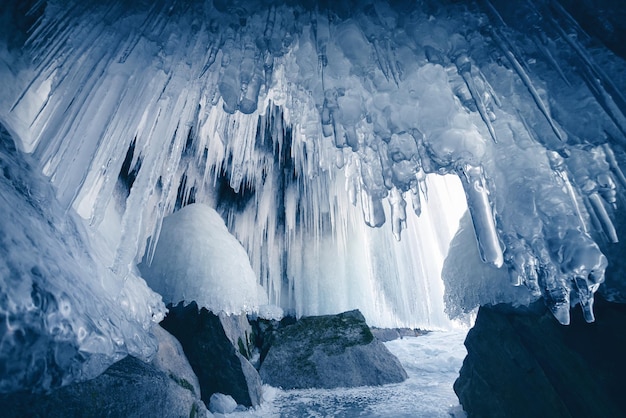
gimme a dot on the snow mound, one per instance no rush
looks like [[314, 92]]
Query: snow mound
[[196, 258]]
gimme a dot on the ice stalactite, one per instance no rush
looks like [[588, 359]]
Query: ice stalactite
[[302, 123]]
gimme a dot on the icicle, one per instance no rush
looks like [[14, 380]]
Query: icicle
[[391, 59], [603, 216], [558, 299], [416, 201], [380, 58], [610, 156], [584, 264], [490, 89], [373, 211], [322, 36], [478, 203], [585, 297], [229, 82], [464, 67], [213, 50], [398, 212], [557, 164], [546, 53], [528, 83]]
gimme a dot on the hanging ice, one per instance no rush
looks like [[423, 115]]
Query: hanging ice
[[284, 115]]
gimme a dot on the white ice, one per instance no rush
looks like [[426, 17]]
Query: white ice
[[197, 259]]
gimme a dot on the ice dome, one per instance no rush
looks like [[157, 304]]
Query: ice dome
[[197, 259]]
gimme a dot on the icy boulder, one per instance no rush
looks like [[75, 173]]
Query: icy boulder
[[196, 258], [222, 404]]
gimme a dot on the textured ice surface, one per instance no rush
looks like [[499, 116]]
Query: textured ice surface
[[64, 316], [282, 115], [197, 259], [432, 362]]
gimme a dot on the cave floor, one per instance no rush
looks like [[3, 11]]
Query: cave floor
[[432, 362]]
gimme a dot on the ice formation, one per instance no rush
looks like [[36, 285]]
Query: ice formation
[[302, 122], [64, 315], [197, 259]]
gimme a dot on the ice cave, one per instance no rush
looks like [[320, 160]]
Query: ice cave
[[430, 163]]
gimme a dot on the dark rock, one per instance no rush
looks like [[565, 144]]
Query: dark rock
[[170, 358], [390, 334], [523, 363], [217, 360], [385, 334], [614, 287], [129, 388], [329, 351], [239, 331], [263, 332]]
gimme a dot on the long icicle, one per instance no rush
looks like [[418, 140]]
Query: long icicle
[[506, 48]]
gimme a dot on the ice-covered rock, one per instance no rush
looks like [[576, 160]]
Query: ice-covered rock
[[217, 348], [329, 351], [196, 258], [390, 334]]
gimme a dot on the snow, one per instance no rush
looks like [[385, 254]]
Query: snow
[[432, 363], [197, 259], [222, 404]]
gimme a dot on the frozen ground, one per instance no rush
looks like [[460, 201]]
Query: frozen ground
[[432, 363]]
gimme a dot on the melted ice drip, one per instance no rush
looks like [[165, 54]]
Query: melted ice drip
[[275, 98]]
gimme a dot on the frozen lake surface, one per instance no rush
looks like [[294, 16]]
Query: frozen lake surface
[[432, 362]]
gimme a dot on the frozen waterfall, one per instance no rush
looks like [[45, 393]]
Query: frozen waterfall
[[336, 141]]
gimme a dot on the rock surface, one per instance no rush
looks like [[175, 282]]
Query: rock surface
[[171, 359], [522, 363], [165, 387], [390, 334], [218, 361], [129, 388], [329, 351]]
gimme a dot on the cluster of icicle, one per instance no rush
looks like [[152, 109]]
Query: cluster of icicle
[[278, 96]]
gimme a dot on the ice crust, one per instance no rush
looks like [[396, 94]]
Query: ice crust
[[302, 124]]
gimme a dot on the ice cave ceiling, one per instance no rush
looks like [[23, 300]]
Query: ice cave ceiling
[[303, 122]]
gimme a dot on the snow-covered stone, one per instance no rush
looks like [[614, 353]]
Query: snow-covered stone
[[223, 404]]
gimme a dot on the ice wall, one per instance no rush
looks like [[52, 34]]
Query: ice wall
[[278, 113], [64, 315]]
